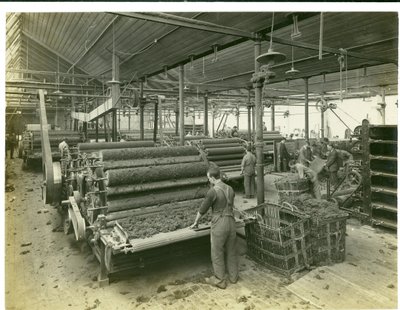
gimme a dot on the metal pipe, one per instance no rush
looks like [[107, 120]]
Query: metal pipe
[[259, 128], [114, 125], [105, 128], [155, 121], [253, 119], [383, 106], [206, 114], [97, 130], [322, 124], [177, 118], [307, 130], [181, 106], [141, 111], [273, 116], [212, 121], [194, 123], [249, 115]]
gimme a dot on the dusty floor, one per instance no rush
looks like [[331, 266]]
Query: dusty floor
[[46, 269]]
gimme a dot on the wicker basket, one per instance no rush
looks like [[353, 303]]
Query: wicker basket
[[291, 187], [278, 238], [328, 240]]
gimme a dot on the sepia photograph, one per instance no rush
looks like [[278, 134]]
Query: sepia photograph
[[200, 156]]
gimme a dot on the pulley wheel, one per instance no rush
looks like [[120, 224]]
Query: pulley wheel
[[52, 188]]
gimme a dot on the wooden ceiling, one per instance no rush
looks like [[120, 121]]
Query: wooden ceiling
[[81, 44]]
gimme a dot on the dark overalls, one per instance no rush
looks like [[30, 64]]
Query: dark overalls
[[223, 231]]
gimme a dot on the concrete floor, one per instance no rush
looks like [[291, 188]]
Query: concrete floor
[[46, 269]]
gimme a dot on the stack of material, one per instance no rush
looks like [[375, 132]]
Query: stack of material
[[269, 137], [32, 142], [226, 153], [98, 146], [328, 229], [153, 183]]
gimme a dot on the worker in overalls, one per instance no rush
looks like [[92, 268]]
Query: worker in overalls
[[248, 169], [223, 229]]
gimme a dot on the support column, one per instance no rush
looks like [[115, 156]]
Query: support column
[[141, 111], [114, 125], [119, 120], [194, 123], [97, 130], [306, 113], [181, 106], [322, 124], [155, 121], [258, 84], [160, 119], [206, 114], [129, 120], [212, 121], [273, 116], [237, 117], [105, 128], [253, 119], [249, 115], [177, 117]]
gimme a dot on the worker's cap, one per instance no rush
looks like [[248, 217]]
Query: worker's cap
[[248, 148]]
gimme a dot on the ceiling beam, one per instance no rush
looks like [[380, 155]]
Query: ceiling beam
[[52, 51], [101, 35], [179, 21], [211, 27], [335, 51], [52, 73]]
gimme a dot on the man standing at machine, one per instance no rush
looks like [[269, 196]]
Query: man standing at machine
[[64, 153], [249, 172], [223, 229], [332, 164], [284, 156]]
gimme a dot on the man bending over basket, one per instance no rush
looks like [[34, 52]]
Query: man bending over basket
[[305, 172]]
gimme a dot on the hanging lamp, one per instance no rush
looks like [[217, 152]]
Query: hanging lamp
[[271, 57], [292, 71]]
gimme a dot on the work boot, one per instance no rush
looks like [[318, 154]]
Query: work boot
[[214, 281], [234, 281]]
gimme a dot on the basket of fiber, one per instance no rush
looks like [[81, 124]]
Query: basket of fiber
[[291, 186], [328, 229], [278, 236]]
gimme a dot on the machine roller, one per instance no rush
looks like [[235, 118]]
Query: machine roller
[[135, 200], [227, 154]]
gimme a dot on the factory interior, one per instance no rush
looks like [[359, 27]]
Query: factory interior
[[201, 160]]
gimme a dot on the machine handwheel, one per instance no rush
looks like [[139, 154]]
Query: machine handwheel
[[354, 178]]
